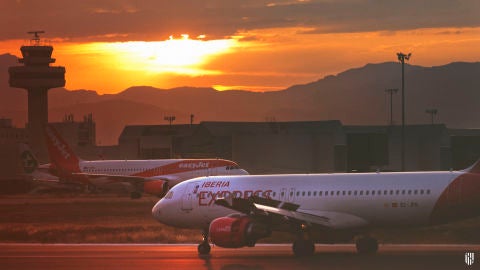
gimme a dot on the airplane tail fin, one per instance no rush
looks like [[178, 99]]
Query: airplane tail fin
[[60, 153], [28, 160]]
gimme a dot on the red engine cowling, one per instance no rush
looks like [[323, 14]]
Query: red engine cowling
[[235, 232], [157, 187]]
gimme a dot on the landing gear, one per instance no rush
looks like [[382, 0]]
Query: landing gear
[[204, 247], [135, 195], [366, 245], [303, 247]]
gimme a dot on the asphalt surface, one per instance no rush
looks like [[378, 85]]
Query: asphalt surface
[[124, 256]]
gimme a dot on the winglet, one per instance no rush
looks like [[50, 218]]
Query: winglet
[[60, 153], [475, 168]]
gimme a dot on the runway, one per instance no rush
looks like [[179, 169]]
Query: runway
[[125, 256]]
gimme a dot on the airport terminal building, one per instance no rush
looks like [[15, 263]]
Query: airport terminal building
[[306, 147]]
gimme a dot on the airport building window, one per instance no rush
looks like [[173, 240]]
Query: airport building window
[[409, 192], [291, 193], [332, 193], [415, 192], [367, 192], [403, 191], [344, 193], [349, 192], [309, 193], [361, 193], [320, 193], [391, 192], [314, 193], [274, 194], [298, 193], [303, 193], [338, 193], [355, 193], [428, 191], [397, 192], [326, 193], [421, 191]]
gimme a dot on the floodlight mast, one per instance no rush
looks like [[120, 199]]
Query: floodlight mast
[[402, 57]]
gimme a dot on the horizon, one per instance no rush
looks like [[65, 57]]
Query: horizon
[[242, 45]]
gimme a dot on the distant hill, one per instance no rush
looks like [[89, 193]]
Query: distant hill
[[356, 96]]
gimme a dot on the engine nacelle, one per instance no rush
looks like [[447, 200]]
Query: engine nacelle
[[155, 187], [235, 232]]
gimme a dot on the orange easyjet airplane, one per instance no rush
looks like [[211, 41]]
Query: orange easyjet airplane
[[136, 176]]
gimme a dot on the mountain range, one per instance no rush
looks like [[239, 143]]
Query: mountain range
[[356, 97]]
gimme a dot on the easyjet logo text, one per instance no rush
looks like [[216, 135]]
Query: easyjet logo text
[[208, 198], [193, 165], [59, 145]]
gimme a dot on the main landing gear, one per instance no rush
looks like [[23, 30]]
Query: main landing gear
[[366, 245], [303, 245], [204, 247]]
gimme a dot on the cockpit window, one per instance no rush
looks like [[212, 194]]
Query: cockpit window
[[169, 195]]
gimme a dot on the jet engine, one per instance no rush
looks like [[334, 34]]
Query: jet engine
[[155, 187], [235, 232]]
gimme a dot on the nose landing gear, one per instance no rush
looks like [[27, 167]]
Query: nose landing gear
[[204, 247]]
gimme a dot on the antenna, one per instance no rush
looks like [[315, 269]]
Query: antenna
[[36, 37]]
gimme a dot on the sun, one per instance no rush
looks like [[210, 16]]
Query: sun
[[181, 55]]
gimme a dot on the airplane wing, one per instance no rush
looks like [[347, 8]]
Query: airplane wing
[[284, 212]]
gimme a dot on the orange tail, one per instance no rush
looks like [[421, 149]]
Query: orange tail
[[61, 155]]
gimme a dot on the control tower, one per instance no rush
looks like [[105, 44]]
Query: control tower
[[37, 77]]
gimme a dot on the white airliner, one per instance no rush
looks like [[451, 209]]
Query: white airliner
[[150, 176], [236, 211]]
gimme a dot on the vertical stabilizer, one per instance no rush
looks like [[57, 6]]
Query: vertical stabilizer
[[60, 153]]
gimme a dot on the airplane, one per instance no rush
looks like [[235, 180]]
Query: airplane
[[42, 176], [237, 211], [154, 177]]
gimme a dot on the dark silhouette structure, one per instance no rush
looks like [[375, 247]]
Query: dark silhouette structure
[[37, 77]]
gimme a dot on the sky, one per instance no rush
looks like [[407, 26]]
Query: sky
[[257, 45]]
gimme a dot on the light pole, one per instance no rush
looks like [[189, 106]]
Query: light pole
[[402, 57], [432, 113], [170, 119], [391, 91]]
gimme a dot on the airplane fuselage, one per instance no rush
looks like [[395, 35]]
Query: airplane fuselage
[[344, 200]]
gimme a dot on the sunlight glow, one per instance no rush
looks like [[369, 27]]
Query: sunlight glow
[[176, 55]]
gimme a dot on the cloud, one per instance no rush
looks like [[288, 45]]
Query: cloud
[[156, 20]]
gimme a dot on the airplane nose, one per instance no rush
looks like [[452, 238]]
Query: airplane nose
[[157, 211], [243, 172]]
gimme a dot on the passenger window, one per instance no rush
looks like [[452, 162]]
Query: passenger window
[[415, 192], [332, 192], [320, 193], [355, 193], [361, 192], [421, 191], [367, 192], [349, 192], [314, 193], [403, 192], [338, 192], [428, 191], [343, 193], [309, 193], [391, 192], [303, 193], [409, 192], [298, 193]]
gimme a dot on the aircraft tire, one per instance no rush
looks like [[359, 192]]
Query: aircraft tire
[[366, 245], [302, 247], [204, 249]]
